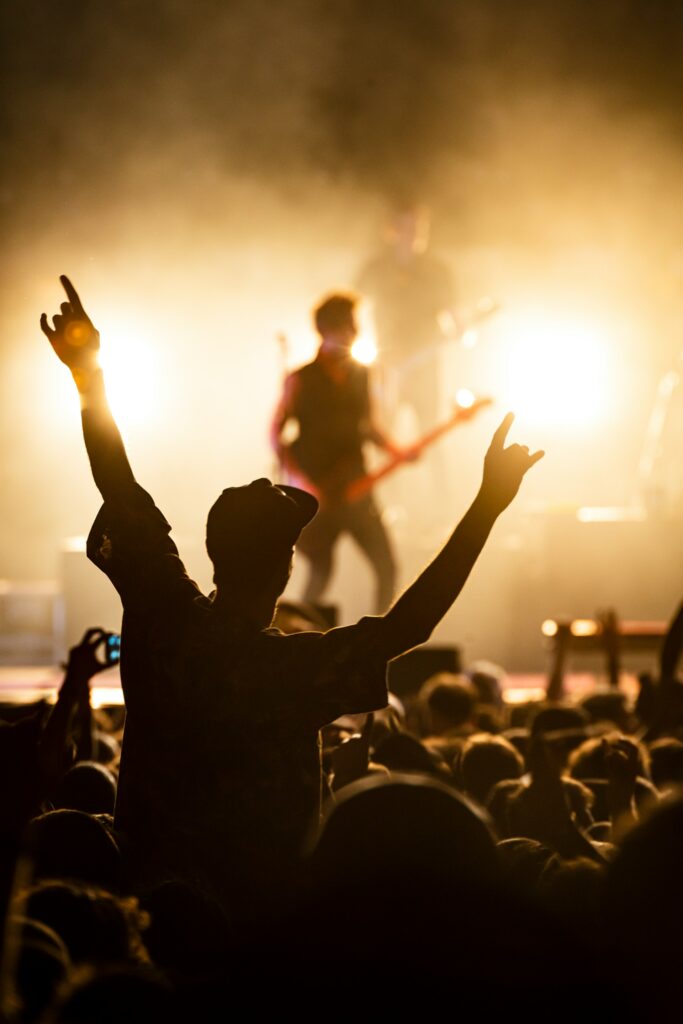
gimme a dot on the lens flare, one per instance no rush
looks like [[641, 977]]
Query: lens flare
[[464, 398], [364, 350]]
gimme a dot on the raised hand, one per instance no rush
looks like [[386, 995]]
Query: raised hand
[[504, 468], [72, 335], [83, 661]]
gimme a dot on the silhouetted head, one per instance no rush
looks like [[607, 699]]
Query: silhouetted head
[[87, 786], [71, 844], [607, 707], [449, 700], [400, 752], [335, 321], [666, 763], [39, 964], [486, 760], [644, 902], [250, 536], [95, 925], [556, 717], [405, 825], [588, 761], [523, 861]]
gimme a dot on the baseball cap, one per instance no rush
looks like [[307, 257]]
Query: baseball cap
[[256, 520]]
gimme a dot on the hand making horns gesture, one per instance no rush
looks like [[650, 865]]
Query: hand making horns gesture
[[504, 468], [73, 336]]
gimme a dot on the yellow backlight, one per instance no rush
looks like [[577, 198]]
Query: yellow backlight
[[549, 627], [584, 627], [131, 374], [364, 350], [556, 370], [464, 398]]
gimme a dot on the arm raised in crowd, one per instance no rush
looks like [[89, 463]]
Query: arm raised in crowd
[[421, 607], [77, 343], [71, 712]]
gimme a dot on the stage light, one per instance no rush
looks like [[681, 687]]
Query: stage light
[[584, 627], [130, 366], [555, 371], [364, 350], [464, 398], [549, 627]]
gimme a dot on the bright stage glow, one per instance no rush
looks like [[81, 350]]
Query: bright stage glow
[[131, 366], [364, 350], [555, 371], [464, 398]]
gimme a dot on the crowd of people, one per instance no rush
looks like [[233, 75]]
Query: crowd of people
[[265, 827]]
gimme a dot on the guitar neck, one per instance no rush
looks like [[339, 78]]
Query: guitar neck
[[363, 485]]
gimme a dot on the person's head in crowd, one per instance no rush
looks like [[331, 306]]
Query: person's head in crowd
[[558, 718], [448, 701], [106, 749], [498, 803], [486, 760], [88, 787], [35, 963], [119, 995], [404, 824], [487, 680], [526, 817], [523, 862], [644, 900], [186, 932], [666, 763], [96, 926], [74, 845], [250, 536], [400, 752], [608, 707], [335, 322], [588, 761]]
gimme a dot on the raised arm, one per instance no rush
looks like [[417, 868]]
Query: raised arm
[[77, 343], [421, 607]]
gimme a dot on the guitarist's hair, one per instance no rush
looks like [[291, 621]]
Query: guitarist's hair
[[334, 311]]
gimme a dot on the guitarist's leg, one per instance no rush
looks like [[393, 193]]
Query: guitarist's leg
[[364, 522], [316, 543]]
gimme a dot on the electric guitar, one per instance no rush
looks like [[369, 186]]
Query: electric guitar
[[337, 486]]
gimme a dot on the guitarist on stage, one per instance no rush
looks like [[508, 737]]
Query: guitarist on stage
[[329, 399]]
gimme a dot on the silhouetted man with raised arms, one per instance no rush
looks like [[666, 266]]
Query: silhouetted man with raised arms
[[220, 771]]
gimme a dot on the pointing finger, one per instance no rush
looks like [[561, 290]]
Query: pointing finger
[[72, 294], [501, 433], [536, 457]]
